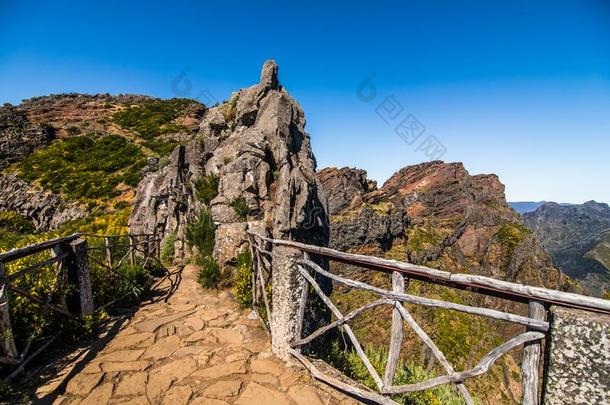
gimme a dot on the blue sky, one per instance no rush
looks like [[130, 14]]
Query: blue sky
[[520, 89]]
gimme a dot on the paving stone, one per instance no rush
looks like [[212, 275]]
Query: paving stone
[[92, 368], [222, 370], [124, 341], [256, 394], [132, 384], [265, 379], [152, 325], [197, 336], [201, 341], [121, 355], [178, 395], [141, 400], [267, 366], [160, 379], [195, 323], [138, 365], [100, 395], [82, 384], [304, 395], [228, 336], [223, 389], [188, 351], [162, 348], [208, 401]]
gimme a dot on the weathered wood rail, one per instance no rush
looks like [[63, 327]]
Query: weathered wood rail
[[71, 293], [536, 324]]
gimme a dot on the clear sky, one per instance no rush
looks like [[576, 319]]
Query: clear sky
[[520, 89]]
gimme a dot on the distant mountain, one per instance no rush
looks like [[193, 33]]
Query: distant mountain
[[578, 239], [530, 206]]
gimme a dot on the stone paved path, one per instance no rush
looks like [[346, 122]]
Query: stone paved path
[[197, 348]]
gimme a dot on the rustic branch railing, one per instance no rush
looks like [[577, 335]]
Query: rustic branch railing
[[71, 257], [536, 326]]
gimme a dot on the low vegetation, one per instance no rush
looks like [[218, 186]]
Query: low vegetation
[[200, 236], [348, 361], [153, 119], [85, 167], [206, 188], [13, 226], [168, 250], [29, 319], [240, 206], [242, 283]]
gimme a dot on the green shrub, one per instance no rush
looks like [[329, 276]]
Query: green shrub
[[206, 188], [162, 147], [168, 250], [240, 207], [152, 118], [229, 109], [85, 167], [15, 222], [209, 275], [242, 286], [405, 374], [201, 234], [120, 205]]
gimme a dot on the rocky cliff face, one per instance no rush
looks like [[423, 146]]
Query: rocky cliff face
[[165, 201], [436, 214], [362, 219], [256, 145], [19, 136], [578, 239], [45, 209]]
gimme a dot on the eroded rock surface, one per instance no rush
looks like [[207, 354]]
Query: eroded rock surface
[[437, 214], [19, 136], [46, 210], [166, 201]]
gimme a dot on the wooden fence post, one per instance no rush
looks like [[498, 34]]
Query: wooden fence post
[[398, 286], [158, 245], [61, 271], [133, 240], [108, 249], [6, 331], [146, 246], [78, 273], [531, 360]]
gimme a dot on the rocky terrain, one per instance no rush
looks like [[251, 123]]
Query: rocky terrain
[[256, 147], [578, 239], [248, 165], [437, 214], [36, 135]]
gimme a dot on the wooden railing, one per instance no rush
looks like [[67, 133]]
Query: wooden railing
[[70, 294], [537, 328]]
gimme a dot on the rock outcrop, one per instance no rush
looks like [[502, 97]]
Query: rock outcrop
[[165, 201], [19, 136], [362, 218], [256, 146], [46, 210], [439, 215], [578, 239]]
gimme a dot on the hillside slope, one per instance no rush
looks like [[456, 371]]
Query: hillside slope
[[66, 157], [578, 239]]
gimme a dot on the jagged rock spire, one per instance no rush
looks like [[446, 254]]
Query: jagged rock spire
[[269, 74]]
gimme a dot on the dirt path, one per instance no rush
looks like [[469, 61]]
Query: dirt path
[[197, 348]]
